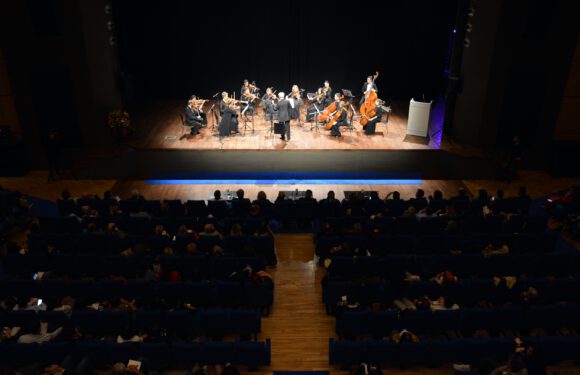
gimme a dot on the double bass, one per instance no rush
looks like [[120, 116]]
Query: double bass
[[368, 108]]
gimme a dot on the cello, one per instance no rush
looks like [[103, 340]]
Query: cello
[[367, 109], [331, 109], [333, 118]]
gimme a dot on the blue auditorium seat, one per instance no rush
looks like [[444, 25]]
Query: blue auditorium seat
[[217, 352], [186, 354], [252, 353]]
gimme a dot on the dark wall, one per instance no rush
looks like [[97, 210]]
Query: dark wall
[[62, 70], [514, 73], [176, 48]]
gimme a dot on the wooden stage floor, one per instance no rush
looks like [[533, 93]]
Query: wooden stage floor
[[160, 128]]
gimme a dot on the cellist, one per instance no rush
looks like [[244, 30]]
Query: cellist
[[339, 118]]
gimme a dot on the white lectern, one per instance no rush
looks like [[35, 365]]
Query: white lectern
[[418, 122]]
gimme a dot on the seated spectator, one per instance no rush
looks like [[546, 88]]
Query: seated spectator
[[443, 303], [495, 249], [236, 230], [210, 230], [281, 197], [217, 195], [264, 230], [191, 248], [330, 206], [446, 277], [410, 212], [160, 231], [42, 336], [308, 196], [254, 211], [265, 205], [71, 367], [404, 335], [395, 206], [419, 202], [437, 204]]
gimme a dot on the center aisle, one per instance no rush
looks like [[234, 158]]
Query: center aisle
[[298, 325]]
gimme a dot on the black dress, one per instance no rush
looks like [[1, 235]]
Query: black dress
[[229, 121]]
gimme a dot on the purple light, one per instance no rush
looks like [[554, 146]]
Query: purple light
[[454, 31]]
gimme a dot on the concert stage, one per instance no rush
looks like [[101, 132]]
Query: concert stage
[[160, 128]]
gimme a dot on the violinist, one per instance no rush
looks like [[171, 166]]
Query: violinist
[[327, 93], [198, 109], [368, 86], [295, 99], [283, 108], [248, 94], [268, 105], [318, 104], [229, 120], [340, 117], [193, 117]]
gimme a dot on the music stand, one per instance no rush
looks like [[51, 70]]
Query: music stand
[[243, 113], [214, 117]]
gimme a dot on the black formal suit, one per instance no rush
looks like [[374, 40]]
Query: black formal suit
[[193, 119], [283, 107], [364, 90]]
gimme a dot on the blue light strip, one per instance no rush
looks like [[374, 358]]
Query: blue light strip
[[289, 182]]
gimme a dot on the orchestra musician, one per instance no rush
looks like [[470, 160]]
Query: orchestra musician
[[374, 116], [327, 92], [248, 94], [283, 108], [268, 105], [368, 86], [295, 99], [194, 116], [229, 114], [341, 121], [318, 104]]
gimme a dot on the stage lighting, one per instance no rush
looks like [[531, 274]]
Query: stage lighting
[[468, 27], [108, 9], [466, 42], [471, 12]]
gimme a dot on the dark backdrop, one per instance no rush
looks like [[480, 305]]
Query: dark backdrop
[[172, 49]]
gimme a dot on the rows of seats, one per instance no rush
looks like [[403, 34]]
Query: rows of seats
[[208, 322], [145, 225], [550, 349], [437, 224], [202, 294], [463, 292], [160, 355], [200, 267], [463, 266], [427, 322], [385, 244], [114, 244]]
